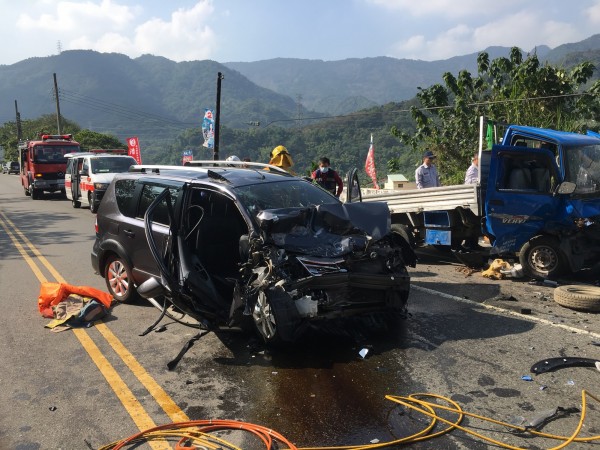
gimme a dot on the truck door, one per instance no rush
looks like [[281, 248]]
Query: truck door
[[519, 200]]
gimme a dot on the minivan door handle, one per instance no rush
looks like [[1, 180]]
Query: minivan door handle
[[129, 233]]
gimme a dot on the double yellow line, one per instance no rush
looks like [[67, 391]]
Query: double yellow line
[[137, 412]]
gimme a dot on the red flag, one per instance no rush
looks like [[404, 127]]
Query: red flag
[[134, 148], [370, 164]]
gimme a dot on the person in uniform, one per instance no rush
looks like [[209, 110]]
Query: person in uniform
[[426, 174]]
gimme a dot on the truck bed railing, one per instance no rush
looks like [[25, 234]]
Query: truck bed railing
[[429, 199]]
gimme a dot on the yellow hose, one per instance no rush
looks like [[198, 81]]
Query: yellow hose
[[197, 434]]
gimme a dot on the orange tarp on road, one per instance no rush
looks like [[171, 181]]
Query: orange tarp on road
[[53, 293]]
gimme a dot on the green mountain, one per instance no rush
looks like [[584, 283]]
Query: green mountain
[[151, 97], [162, 102]]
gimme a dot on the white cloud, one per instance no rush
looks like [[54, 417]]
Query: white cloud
[[108, 26], [508, 31], [75, 17], [594, 13], [446, 8], [185, 37]]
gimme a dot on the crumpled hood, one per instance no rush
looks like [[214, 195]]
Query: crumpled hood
[[326, 230]]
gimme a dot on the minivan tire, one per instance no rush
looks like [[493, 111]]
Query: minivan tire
[[119, 281]]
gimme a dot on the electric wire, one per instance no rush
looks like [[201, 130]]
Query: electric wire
[[128, 113], [198, 432]]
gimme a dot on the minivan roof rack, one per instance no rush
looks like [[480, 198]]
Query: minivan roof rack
[[237, 165]]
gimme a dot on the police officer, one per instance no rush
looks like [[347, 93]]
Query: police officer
[[328, 178], [426, 174]]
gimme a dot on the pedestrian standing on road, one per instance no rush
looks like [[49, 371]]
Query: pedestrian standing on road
[[472, 175], [328, 178], [426, 174]]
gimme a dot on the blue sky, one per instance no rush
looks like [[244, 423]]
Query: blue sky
[[253, 30]]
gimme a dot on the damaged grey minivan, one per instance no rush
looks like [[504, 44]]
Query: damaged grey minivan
[[231, 244]]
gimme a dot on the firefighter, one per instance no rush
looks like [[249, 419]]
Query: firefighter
[[328, 178], [280, 157]]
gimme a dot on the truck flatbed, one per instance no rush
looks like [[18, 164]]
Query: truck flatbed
[[443, 198]]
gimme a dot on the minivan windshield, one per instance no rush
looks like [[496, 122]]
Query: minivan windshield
[[583, 168], [294, 193], [112, 164]]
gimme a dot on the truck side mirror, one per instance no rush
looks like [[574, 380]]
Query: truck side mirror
[[566, 187], [84, 173]]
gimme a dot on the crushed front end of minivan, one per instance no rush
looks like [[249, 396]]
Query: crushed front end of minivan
[[286, 269]]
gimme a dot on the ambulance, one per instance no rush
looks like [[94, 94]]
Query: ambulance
[[88, 175]]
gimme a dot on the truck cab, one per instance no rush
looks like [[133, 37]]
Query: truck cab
[[43, 163], [541, 199], [88, 174]]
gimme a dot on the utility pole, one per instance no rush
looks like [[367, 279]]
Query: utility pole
[[217, 118], [18, 119], [57, 104]]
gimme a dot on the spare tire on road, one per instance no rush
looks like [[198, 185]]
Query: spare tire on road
[[581, 298]]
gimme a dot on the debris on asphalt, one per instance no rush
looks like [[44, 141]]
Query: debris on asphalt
[[363, 353], [570, 383], [551, 364], [495, 271], [526, 378], [466, 271]]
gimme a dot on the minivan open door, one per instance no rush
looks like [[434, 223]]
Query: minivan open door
[[353, 193]]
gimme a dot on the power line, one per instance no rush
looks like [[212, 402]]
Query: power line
[[432, 108]]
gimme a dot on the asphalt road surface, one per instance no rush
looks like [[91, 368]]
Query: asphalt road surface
[[466, 339]]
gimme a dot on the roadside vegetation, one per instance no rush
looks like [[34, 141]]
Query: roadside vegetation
[[443, 117], [513, 90]]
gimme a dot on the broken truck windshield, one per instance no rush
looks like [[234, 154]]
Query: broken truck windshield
[[583, 168]]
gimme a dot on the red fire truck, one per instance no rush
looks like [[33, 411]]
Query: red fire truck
[[43, 163]]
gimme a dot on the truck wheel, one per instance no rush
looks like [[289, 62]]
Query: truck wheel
[[581, 298], [36, 194], [119, 280], [275, 316], [541, 257], [75, 203]]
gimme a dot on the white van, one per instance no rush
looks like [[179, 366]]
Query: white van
[[89, 174]]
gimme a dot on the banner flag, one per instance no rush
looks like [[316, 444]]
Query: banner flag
[[133, 144], [208, 129], [370, 164], [188, 155], [489, 135]]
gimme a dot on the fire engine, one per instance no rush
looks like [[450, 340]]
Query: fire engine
[[43, 163]]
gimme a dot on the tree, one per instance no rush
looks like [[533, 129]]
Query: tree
[[31, 129], [90, 139], [510, 90], [34, 128]]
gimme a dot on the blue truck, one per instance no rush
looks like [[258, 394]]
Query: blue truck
[[537, 199]]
